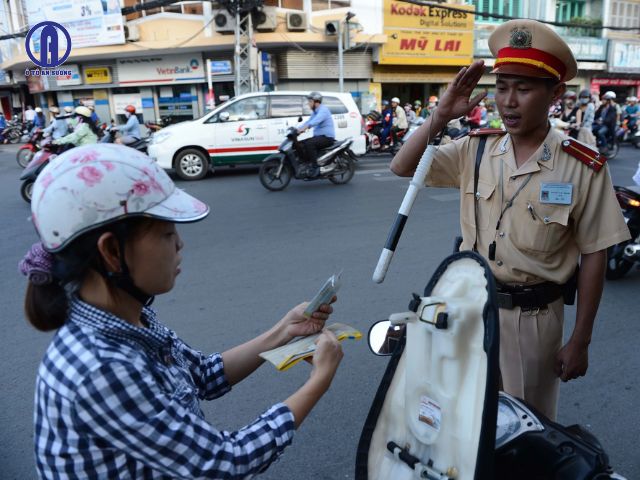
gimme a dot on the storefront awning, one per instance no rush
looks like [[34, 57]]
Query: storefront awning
[[413, 74]]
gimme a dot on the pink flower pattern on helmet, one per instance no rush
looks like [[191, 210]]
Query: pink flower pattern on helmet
[[91, 175], [92, 185]]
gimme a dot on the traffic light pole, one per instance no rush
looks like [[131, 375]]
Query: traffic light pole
[[242, 56]]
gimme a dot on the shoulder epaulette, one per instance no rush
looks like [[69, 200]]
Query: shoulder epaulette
[[479, 132], [588, 155]]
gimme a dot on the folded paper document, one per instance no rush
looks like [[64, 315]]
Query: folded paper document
[[288, 355]]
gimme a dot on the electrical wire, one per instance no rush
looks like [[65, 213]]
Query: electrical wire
[[509, 17]]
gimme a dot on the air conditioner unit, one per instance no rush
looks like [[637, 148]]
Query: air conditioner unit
[[266, 20], [131, 32], [297, 22], [224, 21]]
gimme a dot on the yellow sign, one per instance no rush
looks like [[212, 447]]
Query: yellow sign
[[406, 15], [94, 75], [375, 89], [427, 35], [410, 47]]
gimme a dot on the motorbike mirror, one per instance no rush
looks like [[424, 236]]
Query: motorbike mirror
[[384, 338], [300, 118], [224, 117]]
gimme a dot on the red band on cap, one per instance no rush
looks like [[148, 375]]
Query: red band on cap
[[532, 57]]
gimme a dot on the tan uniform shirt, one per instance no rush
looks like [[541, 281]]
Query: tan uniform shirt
[[536, 241]]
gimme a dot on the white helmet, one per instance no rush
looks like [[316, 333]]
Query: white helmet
[[38, 110], [68, 109], [632, 99], [609, 95], [84, 111], [395, 100], [90, 186]]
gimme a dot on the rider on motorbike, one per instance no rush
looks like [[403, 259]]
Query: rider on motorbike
[[324, 133], [84, 132], [632, 112], [131, 130], [58, 126], [605, 123]]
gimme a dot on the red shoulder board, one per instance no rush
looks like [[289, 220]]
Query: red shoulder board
[[479, 132], [586, 154]]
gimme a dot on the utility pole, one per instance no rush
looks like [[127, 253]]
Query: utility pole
[[245, 81], [340, 59]]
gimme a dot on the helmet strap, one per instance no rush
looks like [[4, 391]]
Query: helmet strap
[[123, 280]]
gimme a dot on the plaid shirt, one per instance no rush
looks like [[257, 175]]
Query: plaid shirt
[[117, 401]]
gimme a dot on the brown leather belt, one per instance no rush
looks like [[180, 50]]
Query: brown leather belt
[[528, 297]]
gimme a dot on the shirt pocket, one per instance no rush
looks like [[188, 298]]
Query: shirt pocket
[[543, 229], [486, 203]]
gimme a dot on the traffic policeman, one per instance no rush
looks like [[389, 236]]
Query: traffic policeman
[[535, 203]]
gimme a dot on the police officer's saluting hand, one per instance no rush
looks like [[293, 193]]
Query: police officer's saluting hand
[[539, 205]]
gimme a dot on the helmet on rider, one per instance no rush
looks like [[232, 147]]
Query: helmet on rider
[[103, 185], [417, 103], [83, 111], [385, 103], [68, 110], [395, 100], [632, 99], [569, 94], [131, 109], [315, 96], [433, 99], [609, 95], [53, 109], [38, 110]]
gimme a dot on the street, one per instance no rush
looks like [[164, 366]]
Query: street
[[259, 254]]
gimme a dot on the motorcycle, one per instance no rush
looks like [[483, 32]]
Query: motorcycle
[[373, 132], [621, 257], [438, 413], [336, 164], [110, 133], [40, 160], [15, 130], [28, 150], [629, 134]]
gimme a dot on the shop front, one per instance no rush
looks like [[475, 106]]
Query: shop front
[[167, 87], [623, 76], [424, 50]]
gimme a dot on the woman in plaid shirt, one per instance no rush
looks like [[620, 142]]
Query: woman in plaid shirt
[[117, 393]]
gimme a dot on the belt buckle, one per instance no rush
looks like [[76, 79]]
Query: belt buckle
[[531, 312], [505, 300]]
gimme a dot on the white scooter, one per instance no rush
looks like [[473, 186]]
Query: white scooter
[[438, 414]]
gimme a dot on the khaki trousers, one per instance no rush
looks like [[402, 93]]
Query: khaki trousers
[[529, 343]]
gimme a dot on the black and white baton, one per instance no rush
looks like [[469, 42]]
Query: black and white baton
[[417, 182]]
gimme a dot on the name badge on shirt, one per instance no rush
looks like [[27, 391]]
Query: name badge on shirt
[[556, 193]]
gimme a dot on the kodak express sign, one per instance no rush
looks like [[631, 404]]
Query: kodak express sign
[[427, 35]]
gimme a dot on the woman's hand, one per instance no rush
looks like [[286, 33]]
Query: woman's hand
[[295, 324], [326, 358]]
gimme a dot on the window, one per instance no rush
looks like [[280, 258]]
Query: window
[[317, 5], [252, 108], [500, 7], [566, 10], [286, 106], [625, 14], [289, 4], [335, 105]]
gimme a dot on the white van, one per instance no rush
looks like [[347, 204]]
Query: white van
[[246, 129]]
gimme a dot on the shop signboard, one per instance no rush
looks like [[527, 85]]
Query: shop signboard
[[121, 100], [68, 80], [97, 75], [268, 69], [221, 67], [159, 70], [624, 57], [90, 23], [427, 34]]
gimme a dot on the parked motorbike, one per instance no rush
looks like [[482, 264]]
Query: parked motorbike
[[14, 131], [336, 164], [623, 256], [40, 160], [28, 150], [438, 414]]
